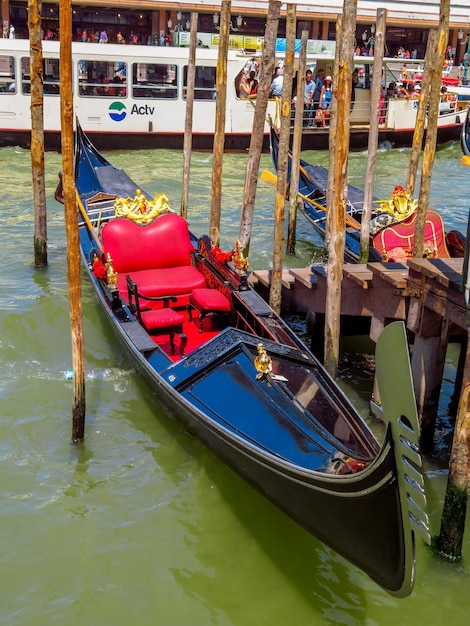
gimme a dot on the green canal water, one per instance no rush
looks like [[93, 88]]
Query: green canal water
[[142, 524]]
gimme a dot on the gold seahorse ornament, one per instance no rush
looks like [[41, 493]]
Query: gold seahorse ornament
[[239, 261], [139, 209], [400, 204]]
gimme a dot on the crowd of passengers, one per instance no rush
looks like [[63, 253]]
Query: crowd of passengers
[[318, 92]]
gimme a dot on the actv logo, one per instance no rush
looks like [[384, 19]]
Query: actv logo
[[117, 111]]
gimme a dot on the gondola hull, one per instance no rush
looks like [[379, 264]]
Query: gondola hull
[[288, 429], [465, 135]]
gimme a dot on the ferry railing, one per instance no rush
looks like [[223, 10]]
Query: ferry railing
[[360, 115]]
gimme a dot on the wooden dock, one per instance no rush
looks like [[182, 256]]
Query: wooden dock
[[425, 294]]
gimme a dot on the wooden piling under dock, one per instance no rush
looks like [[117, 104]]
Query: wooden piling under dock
[[424, 293]]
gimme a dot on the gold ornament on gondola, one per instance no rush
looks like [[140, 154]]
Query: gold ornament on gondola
[[139, 209], [400, 204], [239, 261], [263, 362], [111, 275]]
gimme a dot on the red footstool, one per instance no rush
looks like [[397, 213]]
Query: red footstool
[[208, 301], [162, 321]]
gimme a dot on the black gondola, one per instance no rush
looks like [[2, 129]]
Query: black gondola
[[393, 221], [245, 384], [465, 136]]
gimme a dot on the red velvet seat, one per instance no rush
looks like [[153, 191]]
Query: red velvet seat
[[396, 242], [158, 256], [162, 321], [208, 301], [176, 281]]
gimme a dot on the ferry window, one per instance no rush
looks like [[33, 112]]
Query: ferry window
[[50, 72], [51, 76], [7, 74], [153, 80], [106, 79], [204, 88]]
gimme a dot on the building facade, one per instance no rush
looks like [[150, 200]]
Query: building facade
[[158, 22]]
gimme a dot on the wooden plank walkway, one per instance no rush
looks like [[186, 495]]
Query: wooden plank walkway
[[439, 284], [379, 290]]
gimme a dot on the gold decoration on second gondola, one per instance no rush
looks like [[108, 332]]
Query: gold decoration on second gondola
[[140, 209], [400, 204], [399, 207]]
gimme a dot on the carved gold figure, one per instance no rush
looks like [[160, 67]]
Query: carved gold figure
[[139, 209], [400, 204], [263, 362], [239, 261], [111, 275]]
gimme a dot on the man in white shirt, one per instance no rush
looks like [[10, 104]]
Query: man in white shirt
[[276, 84], [308, 97]]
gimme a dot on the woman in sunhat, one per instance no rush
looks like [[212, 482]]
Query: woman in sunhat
[[323, 112]]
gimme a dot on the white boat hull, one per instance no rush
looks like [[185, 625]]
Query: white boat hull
[[149, 111]]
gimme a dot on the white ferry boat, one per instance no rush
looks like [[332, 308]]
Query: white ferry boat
[[135, 97]]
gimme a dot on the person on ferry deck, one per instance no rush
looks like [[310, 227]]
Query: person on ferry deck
[[253, 83], [277, 82], [326, 94], [355, 83], [318, 87], [323, 112], [309, 90], [244, 88]]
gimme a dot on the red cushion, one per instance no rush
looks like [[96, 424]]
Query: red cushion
[[210, 300], [402, 235], [175, 281], [162, 318], [163, 243]]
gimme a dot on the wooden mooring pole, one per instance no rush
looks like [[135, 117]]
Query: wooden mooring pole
[[450, 540], [219, 133], [37, 133], [280, 199], [428, 358], [429, 62], [268, 59], [431, 131], [71, 222], [373, 133], [188, 123], [297, 144], [337, 178], [427, 364]]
